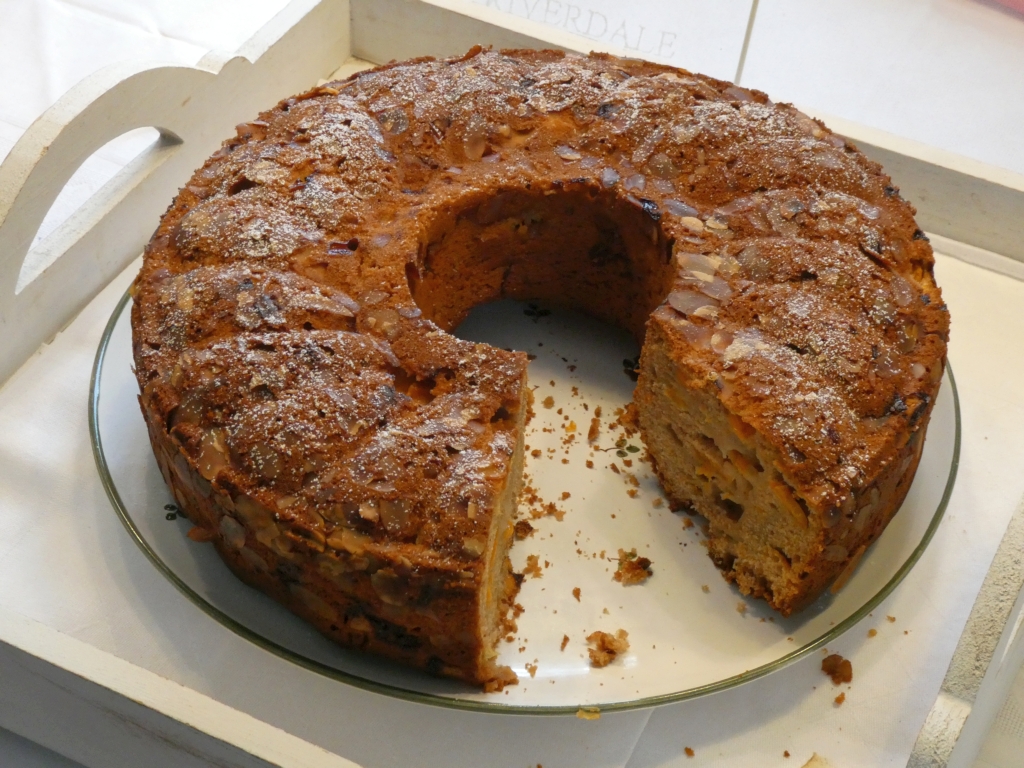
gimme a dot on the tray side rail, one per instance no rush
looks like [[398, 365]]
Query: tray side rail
[[104, 712], [984, 665]]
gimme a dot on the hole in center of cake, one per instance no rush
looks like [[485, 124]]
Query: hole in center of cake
[[571, 245]]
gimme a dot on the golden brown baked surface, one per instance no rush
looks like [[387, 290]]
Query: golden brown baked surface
[[307, 403]]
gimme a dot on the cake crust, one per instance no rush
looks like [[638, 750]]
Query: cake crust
[[309, 408]]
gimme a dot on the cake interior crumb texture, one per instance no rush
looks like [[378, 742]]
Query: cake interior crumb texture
[[315, 416]]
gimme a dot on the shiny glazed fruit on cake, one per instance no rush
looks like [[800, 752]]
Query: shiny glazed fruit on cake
[[311, 410]]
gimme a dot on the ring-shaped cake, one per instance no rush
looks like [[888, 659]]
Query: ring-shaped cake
[[346, 454]]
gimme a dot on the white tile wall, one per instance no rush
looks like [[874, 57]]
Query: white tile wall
[[949, 73]]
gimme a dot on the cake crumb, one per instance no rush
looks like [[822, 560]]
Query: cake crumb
[[597, 411], [517, 611], [838, 668], [545, 509], [705, 588], [632, 569], [576, 593], [816, 761], [840, 699], [590, 464], [872, 632], [614, 468], [786, 753], [565, 642], [523, 529], [589, 713], [741, 608], [549, 401], [533, 569], [607, 646], [689, 752], [687, 522], [497, 685], [536, 453], [595, 430], [555, 512], [891, 619], [532, 669], [565, 495], [658, 502]]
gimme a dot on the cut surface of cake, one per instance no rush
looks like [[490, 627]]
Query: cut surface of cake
[[310, 408]]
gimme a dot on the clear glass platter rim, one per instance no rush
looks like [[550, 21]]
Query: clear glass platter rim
[[468, 704]]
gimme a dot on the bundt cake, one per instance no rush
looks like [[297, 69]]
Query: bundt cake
[[312, 413]]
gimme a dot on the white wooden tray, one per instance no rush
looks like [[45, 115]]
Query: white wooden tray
[[54, 685]]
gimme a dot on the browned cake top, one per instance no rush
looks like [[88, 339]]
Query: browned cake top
[[275, 320]]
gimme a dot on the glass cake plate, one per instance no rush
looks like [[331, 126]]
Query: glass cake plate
[[690, 632]]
